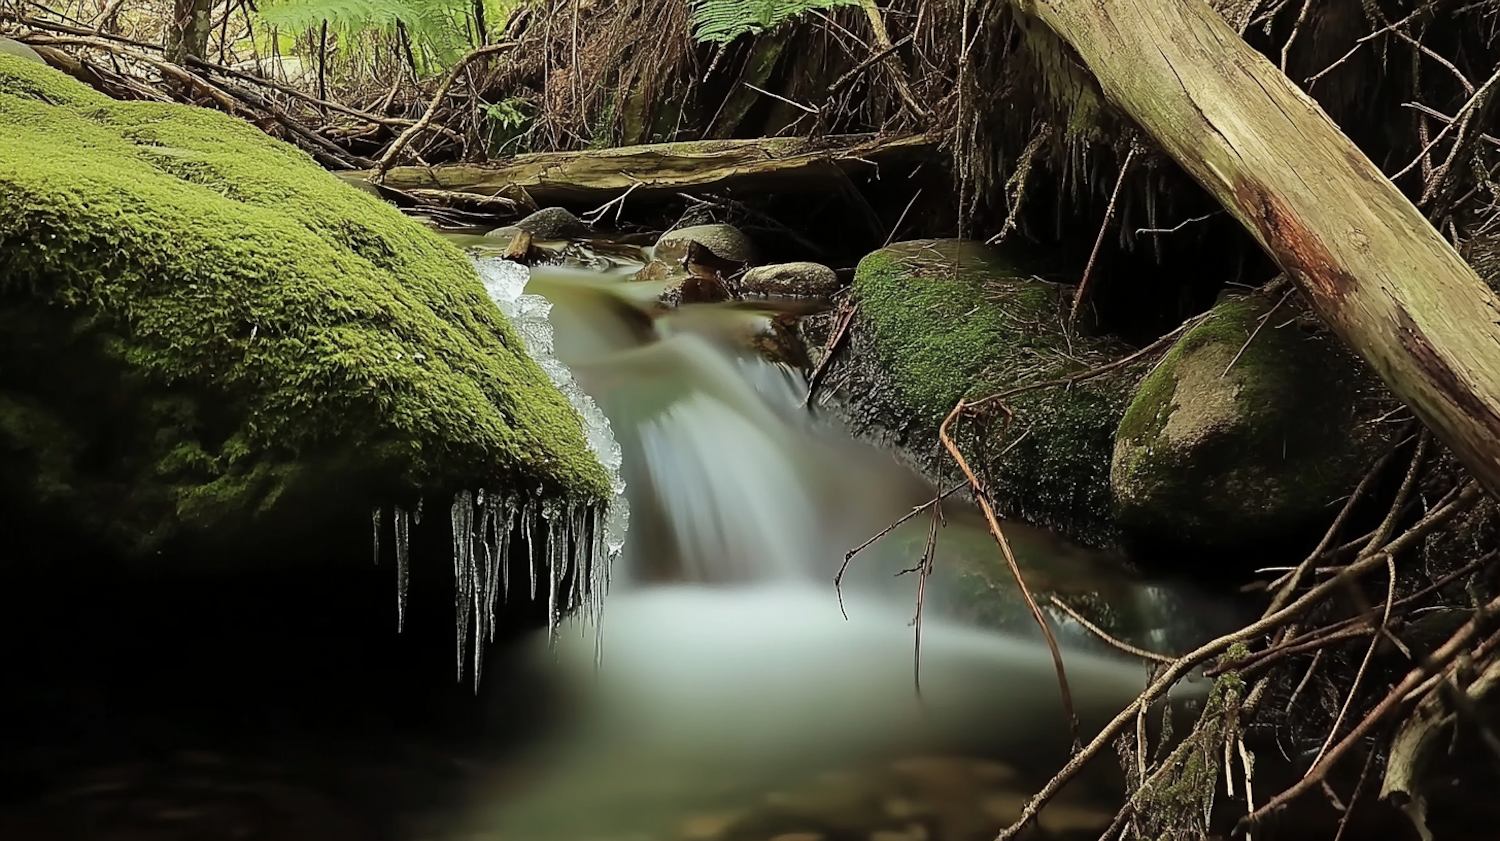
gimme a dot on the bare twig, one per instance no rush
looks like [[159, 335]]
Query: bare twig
[[384, 164], [1435, 666], [1101, 634], [865, 65], [898, 73], [1260, 325], [847, 311], [1182, 665], [1284, 595], [1364, 665], [838, 579], [1015, 568], [1286, 48], [1179, 226], [1081, 296]]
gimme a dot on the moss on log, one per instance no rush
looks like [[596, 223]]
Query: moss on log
[[661, 170]]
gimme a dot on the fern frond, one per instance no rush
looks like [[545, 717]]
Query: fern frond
[[722, 21], [436, 23]]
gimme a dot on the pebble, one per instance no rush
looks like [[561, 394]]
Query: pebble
[[710, 826], [915, 832]]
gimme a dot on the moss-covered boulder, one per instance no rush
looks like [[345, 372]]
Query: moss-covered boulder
[[1252, 428], [939, 321], [198, 324]]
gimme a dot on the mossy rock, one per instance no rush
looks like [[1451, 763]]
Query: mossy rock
[[1246, 432], [940, 320], [199, 325]]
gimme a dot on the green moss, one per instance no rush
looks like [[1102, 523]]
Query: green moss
[[1233, 439], [245, 316], [952, 321]]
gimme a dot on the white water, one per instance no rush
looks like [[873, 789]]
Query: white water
[[727, 652]]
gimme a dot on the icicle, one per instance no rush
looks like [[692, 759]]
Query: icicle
[[573, 547], [402, 525], [600, 562], [462, 517], [553, 519], [558, 541], [375, 527], [485, 564], [528, 525], [502, 536]]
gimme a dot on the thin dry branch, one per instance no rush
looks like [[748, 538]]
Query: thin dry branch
[[1438, 665], [422, 124], [1015, 568], [1182, 665]]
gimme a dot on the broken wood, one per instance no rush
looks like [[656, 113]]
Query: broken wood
[[519, 249], [1372, 266], [662, 170]]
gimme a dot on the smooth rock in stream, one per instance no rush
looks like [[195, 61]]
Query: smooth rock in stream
[[550, 224], [791, 280], [10, 46], [725, 241], [1253, 427]]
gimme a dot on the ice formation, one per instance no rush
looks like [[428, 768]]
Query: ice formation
[[575, 542]]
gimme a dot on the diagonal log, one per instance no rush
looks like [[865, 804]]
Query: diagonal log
[[1372, 266]]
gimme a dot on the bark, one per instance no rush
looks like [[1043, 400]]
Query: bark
[[662, 170], [1372, 266], [187, 33]]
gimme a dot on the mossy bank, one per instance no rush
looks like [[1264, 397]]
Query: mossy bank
[[199, 325], [939, 321]]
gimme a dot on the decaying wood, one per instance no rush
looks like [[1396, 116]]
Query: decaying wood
[[519, 249], [1371, 265], [662, 170], [1423, 734]]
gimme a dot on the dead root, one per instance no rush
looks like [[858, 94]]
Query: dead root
[[1179, 788]]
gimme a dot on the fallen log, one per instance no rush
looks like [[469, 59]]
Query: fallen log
[[1371, 265], [661, 170]]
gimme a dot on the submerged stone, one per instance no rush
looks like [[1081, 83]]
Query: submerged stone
[[725, 241], [939, 321], [199, 325], [1255, 425], [550, 224], [791, 280]]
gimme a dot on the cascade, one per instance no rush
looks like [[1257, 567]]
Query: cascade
[[728, 652]]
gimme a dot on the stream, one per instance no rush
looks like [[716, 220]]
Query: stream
[[723, 690], [726, 667]]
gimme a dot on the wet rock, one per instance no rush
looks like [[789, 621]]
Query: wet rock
[[938, 321], [684, 284], [791, 280], [192, 381], [725, 241], [10, 46], [1252, 427], [550, 224]]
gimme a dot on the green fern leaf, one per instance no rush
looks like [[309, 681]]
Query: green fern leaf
[[722, 21], [437, 24]]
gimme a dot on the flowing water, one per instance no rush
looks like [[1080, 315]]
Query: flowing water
[[724, 657]]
